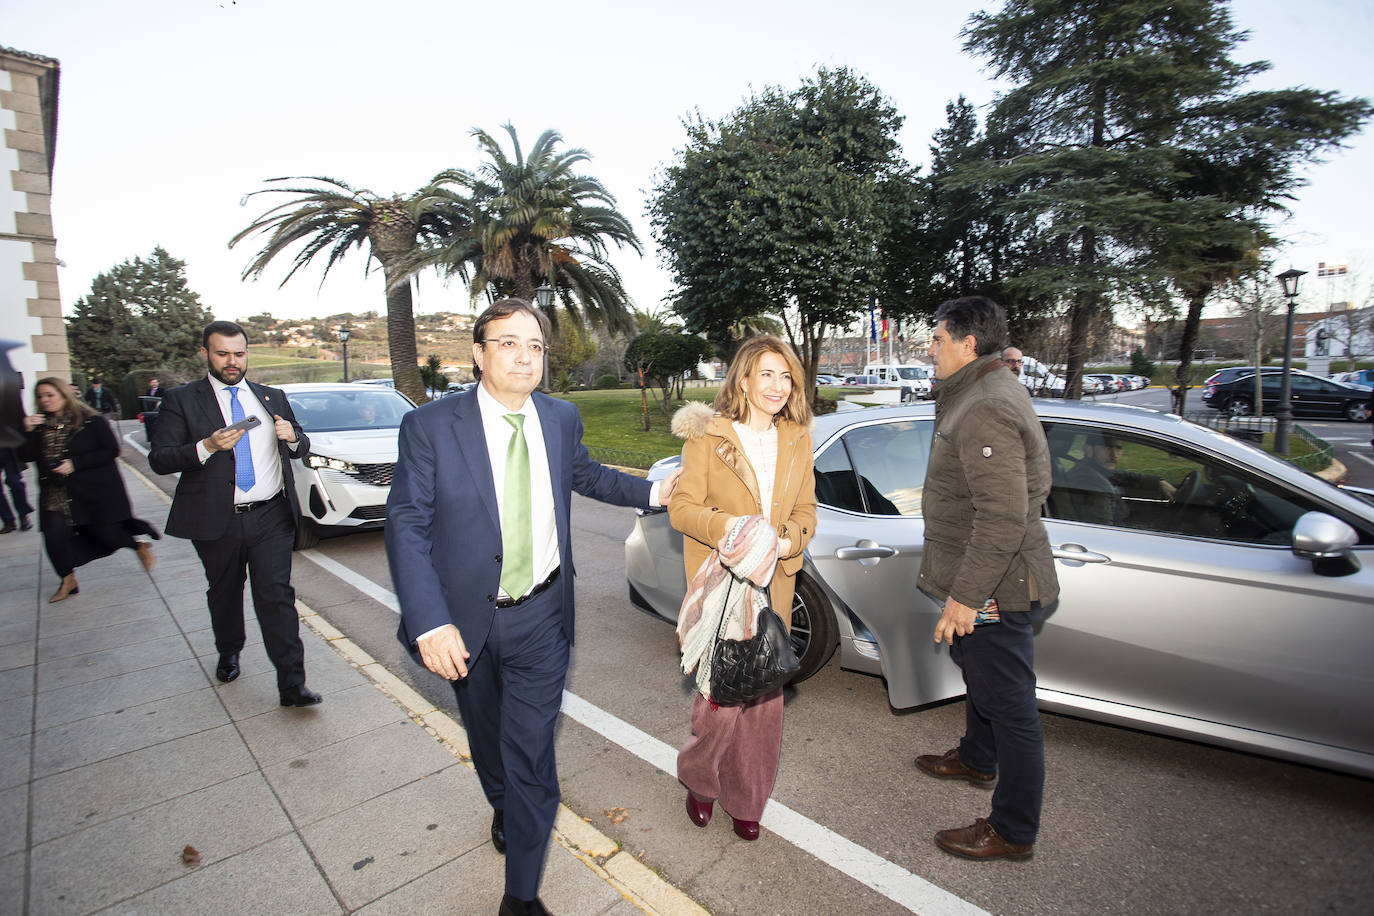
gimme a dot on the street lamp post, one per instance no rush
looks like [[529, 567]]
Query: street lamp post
[[343, 339], [1284, 414], [543, 297]]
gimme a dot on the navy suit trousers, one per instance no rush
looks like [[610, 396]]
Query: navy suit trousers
[[509, 703], [1002, 721]]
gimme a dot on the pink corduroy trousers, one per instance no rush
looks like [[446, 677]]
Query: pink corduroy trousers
[[732, 755]]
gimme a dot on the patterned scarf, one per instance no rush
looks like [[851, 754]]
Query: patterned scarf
[[729, 584]]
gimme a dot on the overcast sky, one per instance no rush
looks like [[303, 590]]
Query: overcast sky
[[172, 110]]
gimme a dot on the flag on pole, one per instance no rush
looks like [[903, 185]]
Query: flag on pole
[[872, 324], [884, 327]]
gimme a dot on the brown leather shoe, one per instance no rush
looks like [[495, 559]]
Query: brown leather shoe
[[980, 841], [949, 766], [66, 588], [145, 556]]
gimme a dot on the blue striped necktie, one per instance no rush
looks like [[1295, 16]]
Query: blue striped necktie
[[243, 452]]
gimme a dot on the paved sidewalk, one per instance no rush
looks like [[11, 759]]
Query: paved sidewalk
[[118, 749]]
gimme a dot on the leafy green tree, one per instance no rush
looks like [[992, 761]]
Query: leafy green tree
[[141, 314], [779, 210], [432, 374], [1143, 164], [1142, 364], [664, 357], [572, 354], [528, 220], [328, 215]]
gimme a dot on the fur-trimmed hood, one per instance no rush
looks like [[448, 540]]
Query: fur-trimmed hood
[[695, 418], [692, 420]]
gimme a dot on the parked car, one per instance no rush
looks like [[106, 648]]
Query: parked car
[[1138, 382], [827, 380], [344, 482], [1358, 377], [1239, 612], [866, 381], [1311, 395], [457, 388], [380, 382]]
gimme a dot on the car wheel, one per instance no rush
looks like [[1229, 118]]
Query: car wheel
[[307, 534], [1357, 412], [814, 636], [1239, 407]]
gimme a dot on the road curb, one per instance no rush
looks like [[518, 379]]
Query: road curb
[[635, 881]]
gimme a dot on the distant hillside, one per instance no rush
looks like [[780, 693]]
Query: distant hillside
[[290, 349]]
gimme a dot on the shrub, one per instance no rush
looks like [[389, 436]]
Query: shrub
[[608, 381]]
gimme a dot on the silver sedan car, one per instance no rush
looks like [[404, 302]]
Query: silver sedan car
[[1234, 606]]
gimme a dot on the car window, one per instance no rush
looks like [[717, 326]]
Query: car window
[[1157, 486], [370, 407], [878, 469]]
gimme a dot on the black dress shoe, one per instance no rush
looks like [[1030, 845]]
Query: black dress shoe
[[300, 696], [498, 830], [228, 667], [24, 523], [513, 906], [9, 526]]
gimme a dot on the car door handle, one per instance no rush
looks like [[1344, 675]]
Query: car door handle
[[865, 550], [1080, 553]]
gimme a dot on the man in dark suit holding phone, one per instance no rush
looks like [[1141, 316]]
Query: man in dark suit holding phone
[[232, 441]]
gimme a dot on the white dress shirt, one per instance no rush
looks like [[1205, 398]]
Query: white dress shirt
[[262, 439], [498, 433]]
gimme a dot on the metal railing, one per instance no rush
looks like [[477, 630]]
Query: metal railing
[[1253, 429]]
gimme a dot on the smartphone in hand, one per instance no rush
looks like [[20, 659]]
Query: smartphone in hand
[[245, 424]]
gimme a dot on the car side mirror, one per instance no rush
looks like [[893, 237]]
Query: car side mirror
[[1326, 541]]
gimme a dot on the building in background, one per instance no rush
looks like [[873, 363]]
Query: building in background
[[30, 307]]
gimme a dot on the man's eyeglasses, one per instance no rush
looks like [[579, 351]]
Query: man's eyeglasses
[[511, 344], [1013, 362]]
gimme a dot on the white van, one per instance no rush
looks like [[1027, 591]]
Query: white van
[[913, 379]]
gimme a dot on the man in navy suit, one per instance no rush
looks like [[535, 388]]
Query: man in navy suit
[[479, 540], [236, 502]]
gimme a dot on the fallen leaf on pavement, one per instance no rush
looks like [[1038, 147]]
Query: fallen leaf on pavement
[[617, 814], [189, 855]]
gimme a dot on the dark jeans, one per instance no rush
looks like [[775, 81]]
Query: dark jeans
[[14, 479], [70, 547], [256, 544], [1002, 721]]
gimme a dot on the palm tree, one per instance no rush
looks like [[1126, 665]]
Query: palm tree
[[531, 220], [329, 215]]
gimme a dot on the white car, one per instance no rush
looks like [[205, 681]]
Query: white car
[[344, 482]]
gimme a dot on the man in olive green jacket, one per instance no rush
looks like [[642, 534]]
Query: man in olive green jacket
[[987, 559]]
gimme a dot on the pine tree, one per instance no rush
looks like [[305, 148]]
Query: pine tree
[[140, 315]]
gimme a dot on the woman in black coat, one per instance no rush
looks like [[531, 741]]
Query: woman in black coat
[[84, 511]]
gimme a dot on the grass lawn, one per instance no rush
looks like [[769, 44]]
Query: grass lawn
[[613, 419]]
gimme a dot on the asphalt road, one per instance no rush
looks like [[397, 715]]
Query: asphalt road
[[1133, 823]]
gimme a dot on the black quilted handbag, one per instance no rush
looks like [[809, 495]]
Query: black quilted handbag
[[745, 669]]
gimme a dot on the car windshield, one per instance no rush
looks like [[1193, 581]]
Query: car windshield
[[911, 372], [368, 407]]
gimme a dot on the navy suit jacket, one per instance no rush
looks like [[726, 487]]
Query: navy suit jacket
[[443, 527], [204, 497]]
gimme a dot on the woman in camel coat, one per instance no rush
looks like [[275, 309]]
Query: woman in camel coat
[[749, 454]]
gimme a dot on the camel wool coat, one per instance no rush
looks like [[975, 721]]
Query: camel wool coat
[[718, 483]]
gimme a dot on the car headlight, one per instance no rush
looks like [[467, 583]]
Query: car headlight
[[323, 461]]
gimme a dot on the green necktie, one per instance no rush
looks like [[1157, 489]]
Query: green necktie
[[517, 532]]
